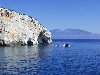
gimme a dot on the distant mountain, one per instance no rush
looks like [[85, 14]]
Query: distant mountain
[[73, 34]]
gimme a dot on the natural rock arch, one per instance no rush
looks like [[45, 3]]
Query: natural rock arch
[[16, 28]]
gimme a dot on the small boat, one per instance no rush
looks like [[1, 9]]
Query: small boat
[[56, 45], [66, 45]]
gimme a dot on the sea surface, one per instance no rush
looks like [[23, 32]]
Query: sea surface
[[81, 58]]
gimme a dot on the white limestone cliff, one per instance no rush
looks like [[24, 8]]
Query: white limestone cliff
[[16, 28]]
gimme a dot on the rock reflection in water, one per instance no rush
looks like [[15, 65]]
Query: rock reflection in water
[[20, 60]]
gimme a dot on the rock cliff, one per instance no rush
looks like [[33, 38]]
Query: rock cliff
[[16, 28]]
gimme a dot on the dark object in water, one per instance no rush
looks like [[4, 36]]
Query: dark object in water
[[66, 45]]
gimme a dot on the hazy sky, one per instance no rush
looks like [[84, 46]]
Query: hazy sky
[[62, 14]]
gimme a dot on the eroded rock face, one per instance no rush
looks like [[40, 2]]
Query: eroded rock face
[[16, 28]]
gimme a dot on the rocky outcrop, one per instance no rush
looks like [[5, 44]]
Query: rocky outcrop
[[16, 28]]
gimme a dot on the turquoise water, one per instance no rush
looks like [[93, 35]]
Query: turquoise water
[[82, 58]]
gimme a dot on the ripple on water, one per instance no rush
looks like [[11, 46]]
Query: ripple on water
[[82, 58]]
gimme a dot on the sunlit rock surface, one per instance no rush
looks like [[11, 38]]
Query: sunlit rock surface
[[16, 28]]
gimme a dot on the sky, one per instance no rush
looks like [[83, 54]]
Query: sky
[[60, 14]]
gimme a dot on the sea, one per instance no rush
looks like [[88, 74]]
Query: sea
[[81, 58]]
